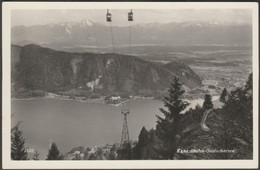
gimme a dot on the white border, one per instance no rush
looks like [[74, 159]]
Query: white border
[[155, 164]]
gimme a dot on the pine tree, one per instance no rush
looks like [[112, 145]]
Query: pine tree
[[18, 151], [207, 104], [112, 153], [100, 154], [125, 152], [167, 128], [141, 145], [249, 83], [223, 96], [54, 153], [238, 112], [36, 155], [143, 137], [86, 153]]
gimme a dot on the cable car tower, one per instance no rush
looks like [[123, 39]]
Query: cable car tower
[[125, 132], [124, 109]]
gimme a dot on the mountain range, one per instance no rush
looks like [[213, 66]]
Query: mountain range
[[87, 34], [38, 68]]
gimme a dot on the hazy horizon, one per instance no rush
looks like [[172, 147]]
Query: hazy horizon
[[119, 16]]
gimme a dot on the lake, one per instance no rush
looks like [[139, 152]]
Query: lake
[[71, 123]]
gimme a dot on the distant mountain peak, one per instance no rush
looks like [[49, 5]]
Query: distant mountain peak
[[78, 33], [82, 23], [86, 22]]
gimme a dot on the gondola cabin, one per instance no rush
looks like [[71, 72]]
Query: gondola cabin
[[130, 15], [109, 16]]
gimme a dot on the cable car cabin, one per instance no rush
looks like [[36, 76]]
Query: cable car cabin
[[130, 16], [109, 16]]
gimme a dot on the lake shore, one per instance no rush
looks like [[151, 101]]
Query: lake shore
[[101, 100], [121, 101]]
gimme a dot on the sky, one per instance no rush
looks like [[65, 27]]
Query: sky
[[119, 16]]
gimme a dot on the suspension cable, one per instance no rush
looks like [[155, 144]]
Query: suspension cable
[[95, 35], [130, 19], [112, 39], [128, 70], [129, 37], [99, 56]]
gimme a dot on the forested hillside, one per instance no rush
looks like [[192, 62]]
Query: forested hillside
[[37, 68]]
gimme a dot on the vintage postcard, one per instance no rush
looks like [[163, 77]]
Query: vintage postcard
[[95, 85]]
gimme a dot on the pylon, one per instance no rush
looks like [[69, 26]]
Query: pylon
[[125, 133]]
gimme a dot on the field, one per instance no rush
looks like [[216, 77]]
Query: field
[[219, 66]]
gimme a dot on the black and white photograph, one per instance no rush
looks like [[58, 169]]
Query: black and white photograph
[[116, 83]]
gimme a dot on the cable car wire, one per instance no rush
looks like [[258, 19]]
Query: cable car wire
[[98, 50], [95, 35], [129, 37], [130, 19], [109, 19], [112, 39]]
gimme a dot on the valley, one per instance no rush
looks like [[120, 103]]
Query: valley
[[217, 66]]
